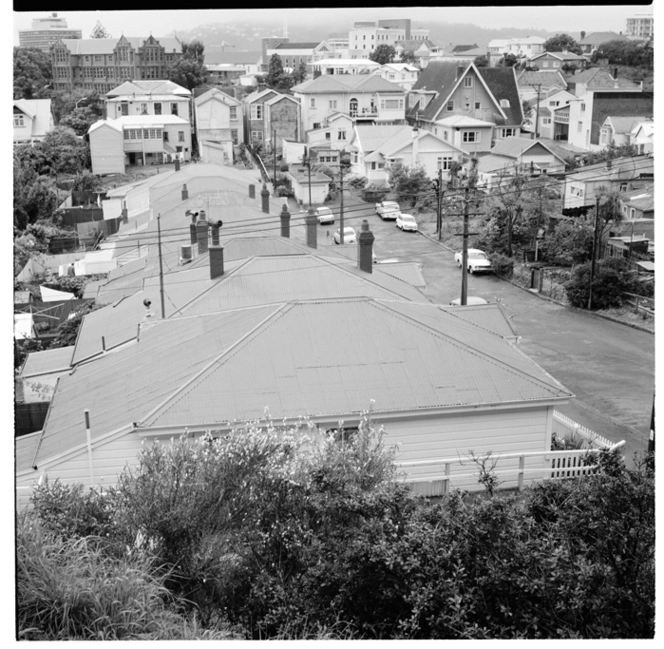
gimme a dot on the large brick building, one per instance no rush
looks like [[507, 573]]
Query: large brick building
[[101, 64]]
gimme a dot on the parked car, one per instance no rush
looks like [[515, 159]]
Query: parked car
[[406, 222], [478, 262], [349, 236], [324, 215], [471, 300], [388, 210]]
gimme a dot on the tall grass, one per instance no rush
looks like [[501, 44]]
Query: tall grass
[[69, 589]]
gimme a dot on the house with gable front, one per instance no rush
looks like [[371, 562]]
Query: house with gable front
[[269, 114], [364, 97], [33, 119], [540, 83], [218, 119], [642, 136], [468, 106], [541, 115], [557, 61]]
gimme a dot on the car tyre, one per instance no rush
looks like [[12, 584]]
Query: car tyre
[[470, 269]]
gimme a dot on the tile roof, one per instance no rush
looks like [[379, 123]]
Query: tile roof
[[547, 78], [330, 83], [515, 146], [597, 38], [148, 87], [598, 78], [502, 84]]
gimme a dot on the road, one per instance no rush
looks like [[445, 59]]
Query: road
[[608, 366]]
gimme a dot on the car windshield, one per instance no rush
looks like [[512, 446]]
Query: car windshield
[[405, 217], [477, 255], [324, 210], [391, 206]]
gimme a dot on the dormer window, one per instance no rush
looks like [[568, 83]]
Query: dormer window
[[504, 103]]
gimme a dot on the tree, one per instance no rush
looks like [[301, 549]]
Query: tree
[[527, 108], [383, 54], [277, 78], [32, 73], [562, 42], [408, 56], [99, 31], [570, 243], [80, 120], [508, 61], [629, 53], [194, 51], [66, 152], [189, 71], [300, 73], [481, 61], [610, 281]]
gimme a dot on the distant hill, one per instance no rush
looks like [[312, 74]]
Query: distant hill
[[247, 35]]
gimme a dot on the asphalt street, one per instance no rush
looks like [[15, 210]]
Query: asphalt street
[[607, 365]]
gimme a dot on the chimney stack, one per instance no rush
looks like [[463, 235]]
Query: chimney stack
[[615, 73], [460, 69], [216, 261], [192, 227], [214, 228], [125, 213], [365, 248], [185, 192], [177, 164], [265, 199], [311, 222], [252, 191], [285, 221], [202, 233]]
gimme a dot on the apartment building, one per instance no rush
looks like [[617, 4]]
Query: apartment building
[[45, 32]]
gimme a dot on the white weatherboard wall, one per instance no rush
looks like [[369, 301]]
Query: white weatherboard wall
[[106, 150]]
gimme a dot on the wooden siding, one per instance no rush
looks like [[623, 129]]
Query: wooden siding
[[106, 151]]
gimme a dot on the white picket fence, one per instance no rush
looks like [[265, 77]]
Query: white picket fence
[[565, 427]]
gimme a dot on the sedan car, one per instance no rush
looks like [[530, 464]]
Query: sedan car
[[406, 222], [349, 236], [478, 262], [324, 215], [388, 210]]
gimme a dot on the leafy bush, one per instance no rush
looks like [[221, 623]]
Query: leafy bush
[[357, 182], [609, 284], [503, 266]]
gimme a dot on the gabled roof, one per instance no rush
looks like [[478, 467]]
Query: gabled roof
[[403, 139], [618, 104], [373, 136], [561, 56], [205, 371], [297, 46], [215, 93], [47, 362], [514, 147], [546, 78], [108, 45], [40, 112], [502, 84], [598, 78], [623, 124], [259, 94], [462, 121], [345, 83], [148, 87]]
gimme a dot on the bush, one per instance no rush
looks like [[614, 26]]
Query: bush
[[503, 266], [610, 282]]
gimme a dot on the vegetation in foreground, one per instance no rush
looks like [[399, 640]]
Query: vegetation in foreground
[[287, 532]]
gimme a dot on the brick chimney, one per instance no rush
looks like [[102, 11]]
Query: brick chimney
[[311, 222], [202, 233], [125, 213], [216, 261], [185, 192], [285, 221], [365, 241], [177, 164], [214, 229], [265, 199], [192, 227], [252, 191]]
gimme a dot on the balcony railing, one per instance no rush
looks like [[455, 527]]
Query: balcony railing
[[561, 117]]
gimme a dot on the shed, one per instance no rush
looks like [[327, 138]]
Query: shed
[[106, 148], [301, 180]]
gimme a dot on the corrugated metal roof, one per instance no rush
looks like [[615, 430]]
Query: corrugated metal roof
[[47, 361], [409, 271], [324, 357], [148, 87], [597, 38], [345, 83], [515, 146]]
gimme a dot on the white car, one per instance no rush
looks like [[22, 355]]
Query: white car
[[478, 262], [349, 236], [406, 222], [324, 215], [388, 210]]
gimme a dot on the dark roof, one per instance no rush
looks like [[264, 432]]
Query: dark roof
[[414, 45], [502, 84], [464, 48], [597, 38], [215, 58], [618, 104], [297, 46], [439, 76]]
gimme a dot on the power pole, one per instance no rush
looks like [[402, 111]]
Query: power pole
[[594, 255], [464, 257], [274, 150], [161, 269], [537, 112], [341, 199], [439, 204]]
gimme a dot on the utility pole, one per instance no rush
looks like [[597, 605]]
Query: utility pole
[[341, 198], [274, 150], [594, 255], [537, 112], [307, 161], [464, 257], [439, 204], [161, 269]]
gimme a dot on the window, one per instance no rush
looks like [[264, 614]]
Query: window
[[257, 111], [328, 136], [450, 106], [180, 136], [165, 136], [579, 127], [467, 105], [508, 132], [234, 135], [233, 112], [333, 104], [468, 82], [257, 135], [471, 136], [373, 166], [381, 165], [157, 109], [444, 163], [144, 109], [583, 107], [316, 125], [312, 102], [174, 109], [18, 121], [445, 135], [341, 134], [391, 104], [546, 120], [478, 105]]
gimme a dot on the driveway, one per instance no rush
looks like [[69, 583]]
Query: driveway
[[608, 366]]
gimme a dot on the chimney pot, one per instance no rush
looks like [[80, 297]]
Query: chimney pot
[[216, 261], [285, 221], [214, 228], [252, 191], [202, 233], [265, 199], [312, 234], [185, 192], [365, 241], [177, 164]]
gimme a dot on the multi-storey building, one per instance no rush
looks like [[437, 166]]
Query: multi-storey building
[[519, 47], [101, 64], [218, 126], [46, 32], [148, 98], [293, 54], [271, 117], [641, 26]]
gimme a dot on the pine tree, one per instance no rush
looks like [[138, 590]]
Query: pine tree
[[99, 31]]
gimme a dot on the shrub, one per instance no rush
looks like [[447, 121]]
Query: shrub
[[503, 266], [611, 280]]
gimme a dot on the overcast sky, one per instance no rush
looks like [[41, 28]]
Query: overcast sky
[[569, 18]]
